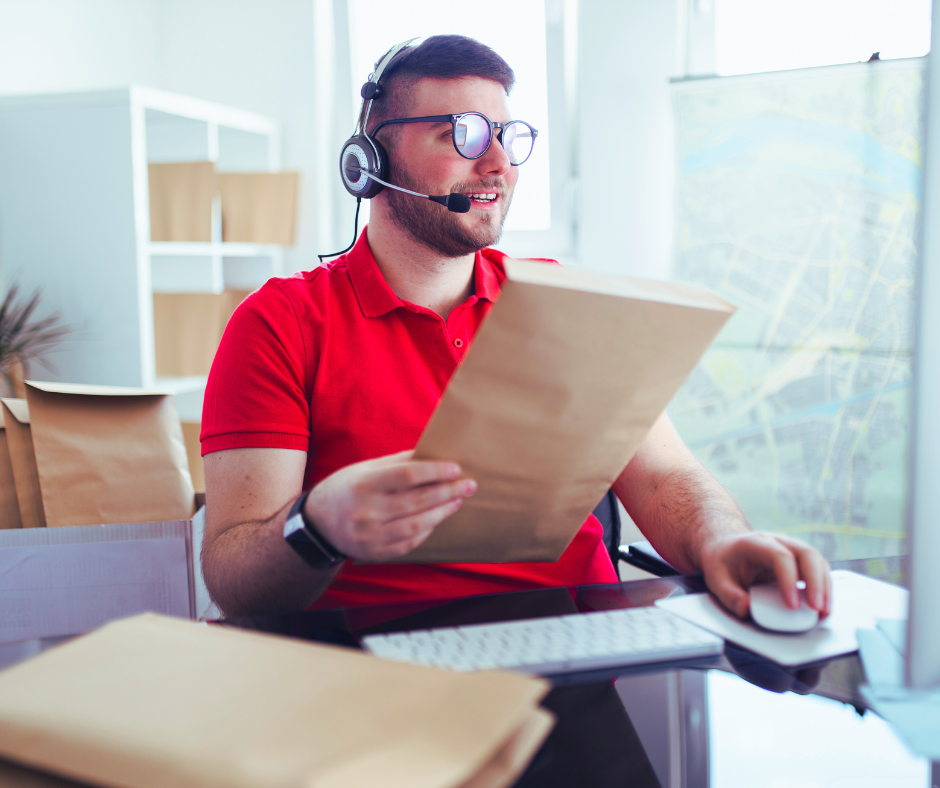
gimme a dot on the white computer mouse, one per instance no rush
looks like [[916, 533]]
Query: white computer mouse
[[769, 611]]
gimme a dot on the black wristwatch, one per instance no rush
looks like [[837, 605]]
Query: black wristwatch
[[302, 535]]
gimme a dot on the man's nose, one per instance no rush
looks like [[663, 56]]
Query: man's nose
[[494, 161]]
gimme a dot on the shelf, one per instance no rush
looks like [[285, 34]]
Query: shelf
[[180, 385], [207, 249]]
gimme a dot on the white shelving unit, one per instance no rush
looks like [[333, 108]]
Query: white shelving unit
[[75, 219]]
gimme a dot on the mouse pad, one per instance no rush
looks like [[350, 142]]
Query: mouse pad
[[856, 602]]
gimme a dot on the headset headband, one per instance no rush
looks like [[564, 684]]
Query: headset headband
[[370, 91]]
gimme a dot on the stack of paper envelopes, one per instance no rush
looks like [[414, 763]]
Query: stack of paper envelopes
[[150, 702]]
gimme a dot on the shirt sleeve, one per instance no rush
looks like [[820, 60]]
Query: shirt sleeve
[[257, 393]]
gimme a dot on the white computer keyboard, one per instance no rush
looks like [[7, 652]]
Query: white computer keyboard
[[558, 644]]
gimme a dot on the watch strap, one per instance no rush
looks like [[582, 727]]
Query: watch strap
[[306, 541]]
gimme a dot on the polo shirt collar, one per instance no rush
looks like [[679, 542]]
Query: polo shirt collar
[[375, 296], [486, 282]]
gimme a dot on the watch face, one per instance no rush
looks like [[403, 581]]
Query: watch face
[[308, 544]]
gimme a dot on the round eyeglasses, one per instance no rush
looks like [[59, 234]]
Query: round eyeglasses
[[473, 132]]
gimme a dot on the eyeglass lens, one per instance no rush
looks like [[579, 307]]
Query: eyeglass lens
[[472, 138]]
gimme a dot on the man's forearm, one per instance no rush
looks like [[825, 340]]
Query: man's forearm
[[249, 569], [688, 510]]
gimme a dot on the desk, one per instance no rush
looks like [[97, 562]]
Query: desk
[[735, 721]]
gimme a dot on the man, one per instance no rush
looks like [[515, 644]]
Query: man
[[324, 382]]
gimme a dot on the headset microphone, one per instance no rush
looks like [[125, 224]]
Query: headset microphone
[[454, 202]]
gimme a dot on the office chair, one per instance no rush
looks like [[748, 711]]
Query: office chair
[[639, 554], [609, 515]]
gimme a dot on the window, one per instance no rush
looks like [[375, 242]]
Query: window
[[771, 35]]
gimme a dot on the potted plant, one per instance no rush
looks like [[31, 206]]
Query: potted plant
[[23, 340]]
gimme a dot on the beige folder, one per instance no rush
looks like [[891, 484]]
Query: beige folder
[[259, 207], [562, 384], [181, 200], [188, 327], [150, 702]]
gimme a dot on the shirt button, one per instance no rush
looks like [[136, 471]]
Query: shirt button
[[458, 342]]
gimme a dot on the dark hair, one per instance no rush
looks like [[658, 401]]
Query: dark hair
[[441, 57]]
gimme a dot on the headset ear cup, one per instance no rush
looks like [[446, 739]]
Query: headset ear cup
[[361, 156]]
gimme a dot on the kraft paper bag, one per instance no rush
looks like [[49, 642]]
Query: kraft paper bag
[[108, 455], [181, 196], [151, 701], [23, 462], [188, 328], [259, 207], [9, 506], [563, 382], [191, 430]]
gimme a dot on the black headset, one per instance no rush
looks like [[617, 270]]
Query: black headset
[[362, 155]]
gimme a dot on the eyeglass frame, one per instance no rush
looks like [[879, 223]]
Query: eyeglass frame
[[453, 122]]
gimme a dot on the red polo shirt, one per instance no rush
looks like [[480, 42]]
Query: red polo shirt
[[333, 363]]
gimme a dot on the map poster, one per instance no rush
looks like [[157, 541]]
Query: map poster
[[797, 200]]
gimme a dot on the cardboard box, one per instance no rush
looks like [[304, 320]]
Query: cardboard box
[[188, 327], [66, 581], [181, 195], [59, 582], [259, 207]]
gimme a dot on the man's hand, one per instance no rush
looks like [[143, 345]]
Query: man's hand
[[384, 508], [733, 563], [696, 526]]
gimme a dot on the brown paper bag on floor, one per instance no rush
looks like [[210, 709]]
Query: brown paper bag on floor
[[181, 200], [9, 506], [188, 327], [152, 701], [563, 382], [108, 455], [23, 462], [259, 207]]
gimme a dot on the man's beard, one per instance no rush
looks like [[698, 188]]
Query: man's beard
[[437, 228]]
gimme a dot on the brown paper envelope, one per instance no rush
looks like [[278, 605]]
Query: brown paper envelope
[[191, 430], [181, 200], [563, 382], [188, 328], [23, 462], [510, 761], [152, 701], [108, 455], [259, 207], [9, 506]]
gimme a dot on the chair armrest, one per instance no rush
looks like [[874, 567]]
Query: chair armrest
[[643, 556]]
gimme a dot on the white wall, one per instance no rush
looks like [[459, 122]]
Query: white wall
[[258, 56], [245, 53], [58, 45]]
